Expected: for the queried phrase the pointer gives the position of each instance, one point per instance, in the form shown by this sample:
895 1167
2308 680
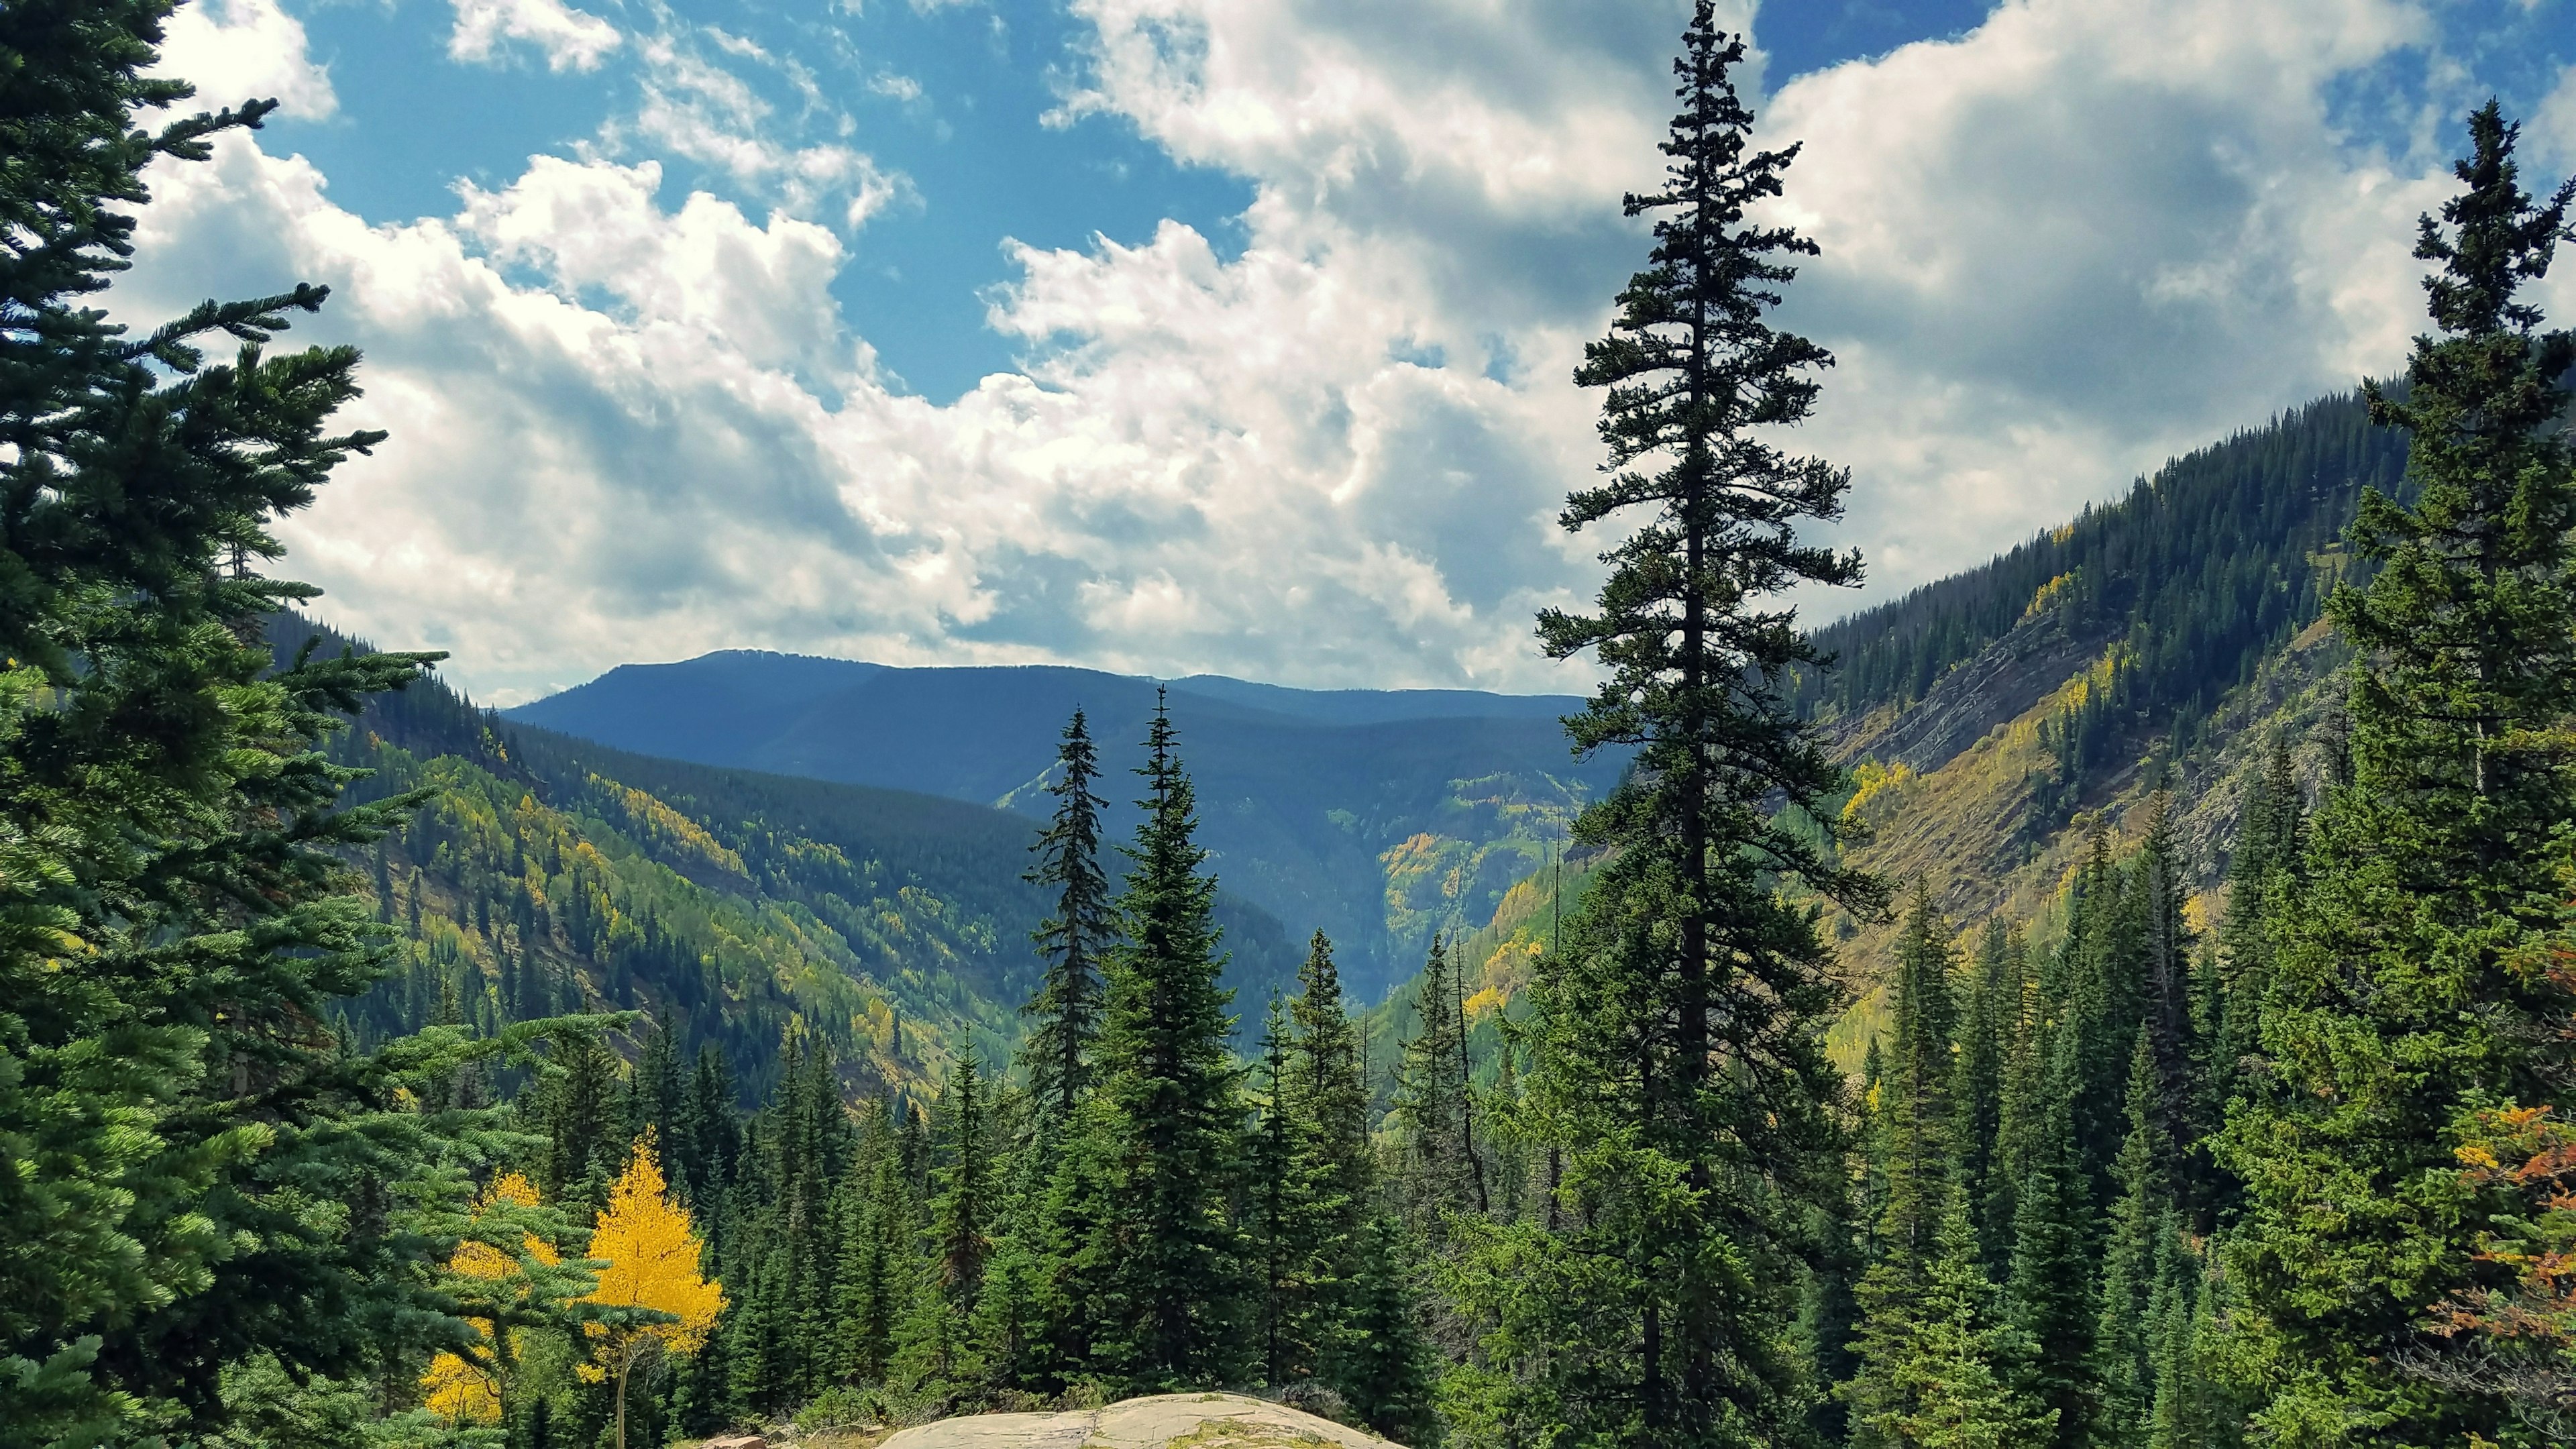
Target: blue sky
1234 334
954 97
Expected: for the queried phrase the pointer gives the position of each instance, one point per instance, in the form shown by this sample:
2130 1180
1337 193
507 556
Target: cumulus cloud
569 39
629 425
697 106
2055 254
236 50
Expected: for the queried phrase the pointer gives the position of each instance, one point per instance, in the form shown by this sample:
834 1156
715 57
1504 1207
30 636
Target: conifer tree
2049 1298
2160 884
183 904
2133 1258
1276 1213
1384 1371
1915 1149
1677 1054
578 1096
1949 1382
1989 1034
960 1212
1441 1175
1168 1252
2399 1005
1076 938
1331 1099
877 1275
936 1351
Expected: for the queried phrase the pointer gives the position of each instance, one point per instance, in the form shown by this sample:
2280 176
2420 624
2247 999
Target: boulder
1163 1421
736 1441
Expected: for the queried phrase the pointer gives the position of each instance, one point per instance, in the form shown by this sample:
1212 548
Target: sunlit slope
1993 718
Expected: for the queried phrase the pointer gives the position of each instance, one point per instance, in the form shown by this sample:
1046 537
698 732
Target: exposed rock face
1164 1421
1998 685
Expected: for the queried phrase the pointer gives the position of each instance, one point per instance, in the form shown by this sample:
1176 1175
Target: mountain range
792 840
1377 816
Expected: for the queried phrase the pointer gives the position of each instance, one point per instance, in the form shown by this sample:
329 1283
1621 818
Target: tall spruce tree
1676 1051
2400 1005
1064 1014
1989 1032
1915 1146
1172 1270
1441 1176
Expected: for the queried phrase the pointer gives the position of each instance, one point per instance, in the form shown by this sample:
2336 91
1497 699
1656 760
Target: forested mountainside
2196 574
2109 1160
1990 719
547 874
1378 816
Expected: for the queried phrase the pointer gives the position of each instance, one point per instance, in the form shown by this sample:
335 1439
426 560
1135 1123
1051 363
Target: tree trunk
625 1362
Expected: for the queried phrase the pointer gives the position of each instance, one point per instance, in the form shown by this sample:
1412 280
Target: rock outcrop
1164 1421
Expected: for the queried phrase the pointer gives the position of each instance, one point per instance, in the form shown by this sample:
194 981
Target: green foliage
1075 939
217 1215
1171 1110
2195 576
1677 1073
2397 1007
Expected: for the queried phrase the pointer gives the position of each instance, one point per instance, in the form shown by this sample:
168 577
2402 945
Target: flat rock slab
1164 1421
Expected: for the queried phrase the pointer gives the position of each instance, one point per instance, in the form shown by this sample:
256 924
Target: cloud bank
629 424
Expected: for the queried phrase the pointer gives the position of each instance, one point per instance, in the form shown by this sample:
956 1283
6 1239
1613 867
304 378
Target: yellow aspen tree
466 1388
648 1255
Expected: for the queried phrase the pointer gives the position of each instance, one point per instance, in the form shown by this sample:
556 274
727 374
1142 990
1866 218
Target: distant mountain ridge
1378 816
547 873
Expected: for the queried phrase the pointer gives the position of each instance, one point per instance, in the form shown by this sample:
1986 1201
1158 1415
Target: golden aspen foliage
461 1392
466 1388
648 1255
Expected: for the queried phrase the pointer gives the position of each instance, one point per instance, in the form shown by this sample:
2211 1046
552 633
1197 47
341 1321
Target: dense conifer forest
372 1072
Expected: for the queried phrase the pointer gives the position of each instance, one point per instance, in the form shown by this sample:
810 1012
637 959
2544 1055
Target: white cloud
2553 125
694 106
237 50
2055 254
569 39
629 426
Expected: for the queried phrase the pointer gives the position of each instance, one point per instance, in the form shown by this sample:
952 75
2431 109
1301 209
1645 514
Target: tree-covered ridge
2193 577
1378 816
540 874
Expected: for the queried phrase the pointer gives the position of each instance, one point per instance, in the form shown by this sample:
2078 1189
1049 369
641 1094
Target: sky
1169 336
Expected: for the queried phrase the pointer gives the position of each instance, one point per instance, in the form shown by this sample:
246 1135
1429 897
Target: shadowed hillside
1378 816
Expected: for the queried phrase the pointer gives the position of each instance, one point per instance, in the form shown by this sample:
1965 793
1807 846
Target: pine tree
1385 1369
878 1271
1173 1290
1989 1035
1914 1147
960 1212
1333 1158
1675 1054
2049 1298
184 899
1076 938
2133 1256
1441 1176
2398 1006
1276 1214
937 1354
1949 1380
578 1105
2020 1118
2160 884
